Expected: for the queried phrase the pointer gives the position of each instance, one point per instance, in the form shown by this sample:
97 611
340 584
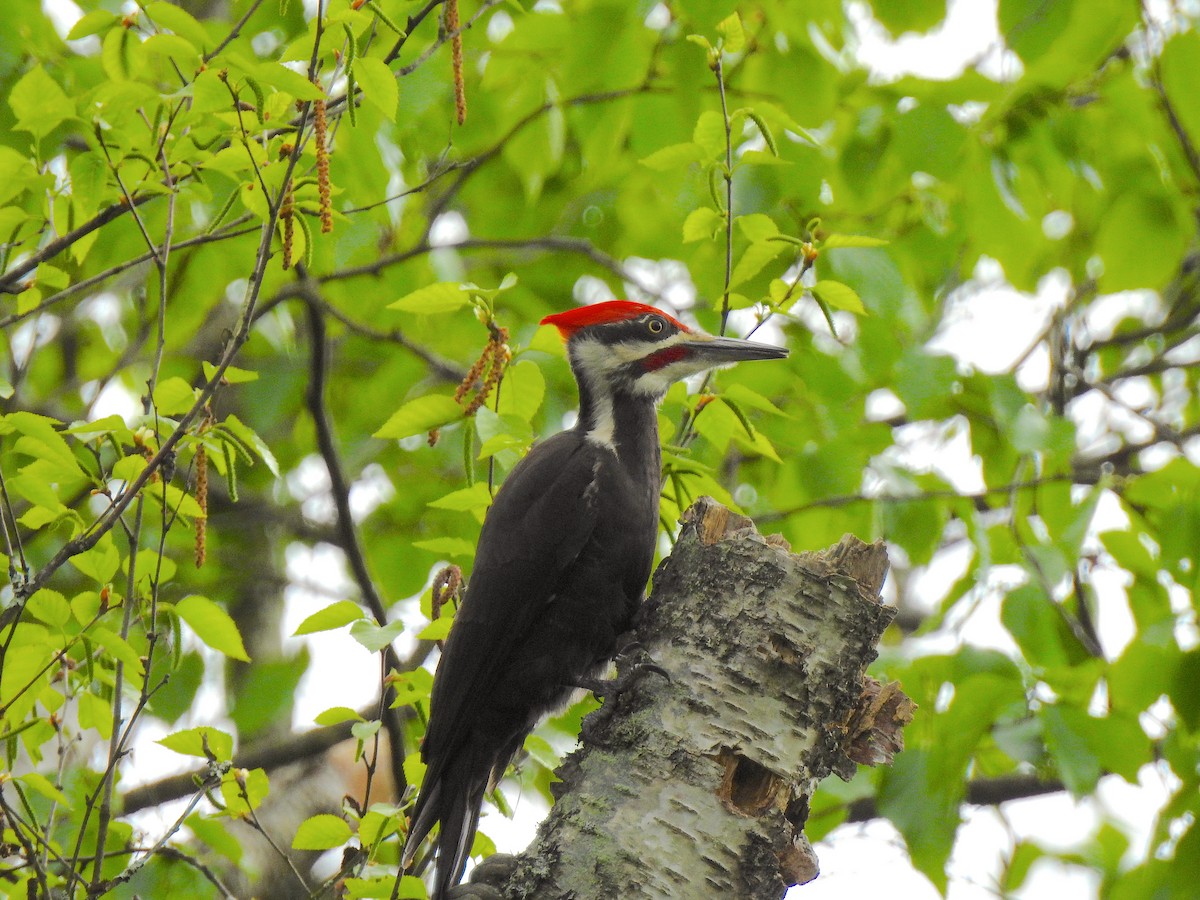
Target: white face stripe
595 363
598 363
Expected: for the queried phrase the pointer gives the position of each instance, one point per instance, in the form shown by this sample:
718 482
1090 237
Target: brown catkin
289 225
456 60
473 374
202 500
498 355
320 125
447 586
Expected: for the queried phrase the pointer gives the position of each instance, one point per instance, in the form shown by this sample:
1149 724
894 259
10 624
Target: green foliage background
142 174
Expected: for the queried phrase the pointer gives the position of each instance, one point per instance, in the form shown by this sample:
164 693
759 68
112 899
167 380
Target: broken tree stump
699 786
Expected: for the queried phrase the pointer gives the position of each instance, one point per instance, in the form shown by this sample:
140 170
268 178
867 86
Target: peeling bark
699 786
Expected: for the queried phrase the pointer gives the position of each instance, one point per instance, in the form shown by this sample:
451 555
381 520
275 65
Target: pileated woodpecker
563 559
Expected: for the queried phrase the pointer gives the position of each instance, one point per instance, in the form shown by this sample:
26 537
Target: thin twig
10 282
234 32
719 70
231 230
949 494
441 368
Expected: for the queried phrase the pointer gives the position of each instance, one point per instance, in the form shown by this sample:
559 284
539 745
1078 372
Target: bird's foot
603 688
486 879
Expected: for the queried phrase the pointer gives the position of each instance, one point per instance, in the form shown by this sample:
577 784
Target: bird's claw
603 688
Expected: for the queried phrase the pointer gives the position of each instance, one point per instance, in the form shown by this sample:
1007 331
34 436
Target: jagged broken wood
699 786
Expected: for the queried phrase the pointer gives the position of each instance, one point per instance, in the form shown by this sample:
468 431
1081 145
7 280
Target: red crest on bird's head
572 320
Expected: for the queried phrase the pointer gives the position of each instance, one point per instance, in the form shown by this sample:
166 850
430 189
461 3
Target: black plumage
562 562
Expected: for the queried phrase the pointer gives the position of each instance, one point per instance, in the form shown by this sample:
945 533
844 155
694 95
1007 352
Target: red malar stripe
664 357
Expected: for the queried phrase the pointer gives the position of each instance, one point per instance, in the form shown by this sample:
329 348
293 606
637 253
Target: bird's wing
541 519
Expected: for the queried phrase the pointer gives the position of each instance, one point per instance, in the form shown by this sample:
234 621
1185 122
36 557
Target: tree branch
350 544
986 792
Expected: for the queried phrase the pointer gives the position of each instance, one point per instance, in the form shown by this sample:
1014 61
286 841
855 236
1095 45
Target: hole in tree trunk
747 787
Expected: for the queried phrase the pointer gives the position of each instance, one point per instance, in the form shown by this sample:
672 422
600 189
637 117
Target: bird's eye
655 326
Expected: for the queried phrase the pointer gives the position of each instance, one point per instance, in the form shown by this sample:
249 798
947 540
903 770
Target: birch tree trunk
699 786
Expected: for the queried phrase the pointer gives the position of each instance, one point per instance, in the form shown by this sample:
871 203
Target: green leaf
100 562
42 441
744 396
372 636
433 299
44 786
1038 626
1142 239
39 103
447 546
287 80
1180 62
180 21
437 630
730 29
50 607
118 647
380 822
335 615
192 741
922 791
250 438
232 374
410 887
129 467
839 296
365 731
174 396
177 500
757 227
24 673
701 224
335 715
213 833
754 258
172 46
522 390
321 832
378 84
908 15
1182 689
122 54
1024 855
1066 729
709 134
674 157
91 23
840 241
761 158
413 687
244 791
212 625
541 751
419 416
95 713
178 696
113 425
471 499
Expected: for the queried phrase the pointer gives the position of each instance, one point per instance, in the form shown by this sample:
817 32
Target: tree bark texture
698 786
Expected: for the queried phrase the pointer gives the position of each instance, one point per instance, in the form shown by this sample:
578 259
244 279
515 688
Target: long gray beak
717 351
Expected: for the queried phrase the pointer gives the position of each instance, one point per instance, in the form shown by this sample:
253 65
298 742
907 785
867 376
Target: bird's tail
453 796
